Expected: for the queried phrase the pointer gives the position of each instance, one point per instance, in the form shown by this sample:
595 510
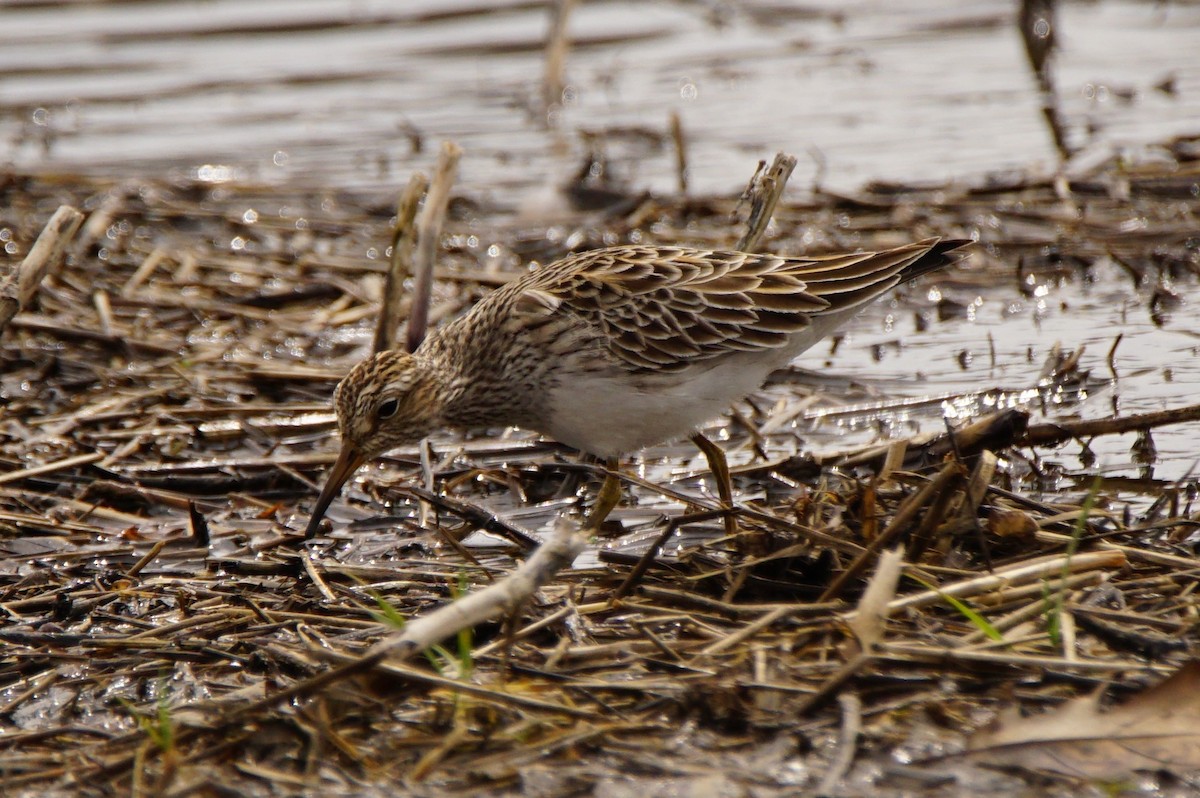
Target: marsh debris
166 417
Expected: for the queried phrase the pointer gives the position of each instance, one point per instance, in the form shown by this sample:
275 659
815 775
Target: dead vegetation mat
162 630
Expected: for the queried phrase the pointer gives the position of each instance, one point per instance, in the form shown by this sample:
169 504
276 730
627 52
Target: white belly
609 415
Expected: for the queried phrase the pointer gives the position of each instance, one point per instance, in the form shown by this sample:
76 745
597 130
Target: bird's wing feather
663 308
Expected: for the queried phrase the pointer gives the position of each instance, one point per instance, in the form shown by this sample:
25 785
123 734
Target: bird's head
390 399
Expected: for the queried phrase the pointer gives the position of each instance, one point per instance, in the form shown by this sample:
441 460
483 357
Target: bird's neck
476 386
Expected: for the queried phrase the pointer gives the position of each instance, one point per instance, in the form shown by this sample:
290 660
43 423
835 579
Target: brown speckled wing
662 308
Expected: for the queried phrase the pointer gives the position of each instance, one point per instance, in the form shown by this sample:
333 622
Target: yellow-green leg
608 497
719 466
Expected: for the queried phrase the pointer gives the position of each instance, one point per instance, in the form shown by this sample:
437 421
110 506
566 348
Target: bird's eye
387 408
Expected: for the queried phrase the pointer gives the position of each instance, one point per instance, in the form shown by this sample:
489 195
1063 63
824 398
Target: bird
612 350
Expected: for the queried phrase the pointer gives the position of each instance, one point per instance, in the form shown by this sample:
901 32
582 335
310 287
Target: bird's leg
570 483
608 497
719 467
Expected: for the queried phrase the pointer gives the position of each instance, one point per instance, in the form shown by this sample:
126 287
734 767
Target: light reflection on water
918 92
1156 368
923 92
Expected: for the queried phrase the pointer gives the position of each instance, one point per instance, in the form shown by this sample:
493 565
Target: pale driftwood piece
558 552
764 192
429 232
18 285
401 265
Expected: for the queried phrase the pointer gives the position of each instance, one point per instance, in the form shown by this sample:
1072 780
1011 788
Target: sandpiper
612 350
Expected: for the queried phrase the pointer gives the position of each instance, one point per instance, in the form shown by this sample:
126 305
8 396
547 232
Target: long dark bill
348 461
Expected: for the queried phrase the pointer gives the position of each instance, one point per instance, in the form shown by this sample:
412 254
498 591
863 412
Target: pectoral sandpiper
613 350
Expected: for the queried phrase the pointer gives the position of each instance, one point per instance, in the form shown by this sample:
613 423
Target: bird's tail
944 252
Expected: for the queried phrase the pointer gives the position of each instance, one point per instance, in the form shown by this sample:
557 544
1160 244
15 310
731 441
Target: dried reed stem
429 232
18 285
764 192
681 161
557 44
401 265
904 516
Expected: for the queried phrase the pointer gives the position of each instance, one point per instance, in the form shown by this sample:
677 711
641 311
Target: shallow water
342 93
355 95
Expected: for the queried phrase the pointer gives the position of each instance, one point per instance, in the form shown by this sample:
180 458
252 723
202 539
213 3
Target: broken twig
18 285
